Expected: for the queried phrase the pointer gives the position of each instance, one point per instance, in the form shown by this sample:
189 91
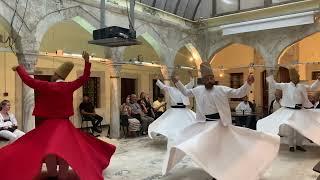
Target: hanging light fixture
251 68
221 71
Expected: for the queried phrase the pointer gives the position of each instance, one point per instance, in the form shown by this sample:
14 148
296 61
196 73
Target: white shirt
156 104
315 105
275 106
175 95
242 106
209 104
217 97
294 94
13 121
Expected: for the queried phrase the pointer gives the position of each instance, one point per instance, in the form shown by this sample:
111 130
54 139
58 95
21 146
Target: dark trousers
95 119
158 114
252 122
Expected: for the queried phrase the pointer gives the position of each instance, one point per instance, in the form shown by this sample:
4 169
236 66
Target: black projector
114 36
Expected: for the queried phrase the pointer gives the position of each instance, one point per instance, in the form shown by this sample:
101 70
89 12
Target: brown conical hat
205 69
293 73
64 69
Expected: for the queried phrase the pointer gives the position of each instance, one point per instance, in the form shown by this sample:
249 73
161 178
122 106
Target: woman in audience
146 100
8 123
131 124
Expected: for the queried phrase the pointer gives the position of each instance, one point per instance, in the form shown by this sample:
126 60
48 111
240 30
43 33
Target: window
315 75
128 87
92 89
236 80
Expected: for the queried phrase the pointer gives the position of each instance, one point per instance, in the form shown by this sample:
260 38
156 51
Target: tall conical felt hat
64 69
205 69
293 72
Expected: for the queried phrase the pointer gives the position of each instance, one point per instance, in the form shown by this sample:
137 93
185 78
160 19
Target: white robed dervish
176 118
304 121
224 151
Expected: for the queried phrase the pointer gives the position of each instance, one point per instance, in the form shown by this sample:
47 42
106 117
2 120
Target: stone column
270 70
28 60
166 73
116 56
115 101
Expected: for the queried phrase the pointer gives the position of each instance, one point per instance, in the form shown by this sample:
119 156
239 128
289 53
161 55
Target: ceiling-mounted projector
114 36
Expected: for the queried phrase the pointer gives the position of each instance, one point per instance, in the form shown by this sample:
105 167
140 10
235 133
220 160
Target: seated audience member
146 100
131 124
244 106
137 112
159 106
275 104
247 107
8 123
88 112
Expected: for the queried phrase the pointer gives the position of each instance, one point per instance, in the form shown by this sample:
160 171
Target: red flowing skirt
87 155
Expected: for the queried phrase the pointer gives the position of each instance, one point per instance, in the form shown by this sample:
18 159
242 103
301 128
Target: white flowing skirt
171 122
226 153
305 121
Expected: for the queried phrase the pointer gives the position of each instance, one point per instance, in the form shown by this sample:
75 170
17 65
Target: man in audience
136 112
159 106
275 104
316 103
244 106
87 111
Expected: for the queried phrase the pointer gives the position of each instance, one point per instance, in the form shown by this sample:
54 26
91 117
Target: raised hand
250 79
14 68
85 56
174 77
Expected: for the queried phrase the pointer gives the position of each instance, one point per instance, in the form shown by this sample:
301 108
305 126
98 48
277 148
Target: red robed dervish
88 156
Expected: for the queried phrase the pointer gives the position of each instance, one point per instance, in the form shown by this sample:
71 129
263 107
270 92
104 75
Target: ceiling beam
165 5
214 8
184 14
196 9
154 3
177 6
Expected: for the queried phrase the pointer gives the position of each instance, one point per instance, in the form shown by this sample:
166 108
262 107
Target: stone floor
141 159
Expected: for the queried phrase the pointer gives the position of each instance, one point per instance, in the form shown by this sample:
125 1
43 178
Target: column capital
116 71
117 54
167 72
28 60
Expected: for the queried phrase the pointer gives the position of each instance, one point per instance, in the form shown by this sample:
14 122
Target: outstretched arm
190 84
272 82
27 79
161 85
315 85
180 86
86 73
242 91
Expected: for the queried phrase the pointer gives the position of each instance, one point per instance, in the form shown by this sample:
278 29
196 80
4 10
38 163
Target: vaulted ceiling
190 9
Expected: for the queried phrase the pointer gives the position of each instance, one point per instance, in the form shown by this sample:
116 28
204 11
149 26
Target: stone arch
291 36
193 50
303 55
5 25
154 44
153 37
77 14
232 64
292 43
6 14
